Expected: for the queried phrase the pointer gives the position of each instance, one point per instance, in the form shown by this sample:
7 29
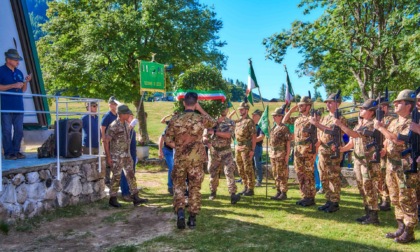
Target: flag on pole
209 95
252 83
264 123
289 90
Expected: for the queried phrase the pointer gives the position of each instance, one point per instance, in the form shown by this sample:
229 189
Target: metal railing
58 112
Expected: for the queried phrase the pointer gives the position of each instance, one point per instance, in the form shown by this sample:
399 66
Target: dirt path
97 230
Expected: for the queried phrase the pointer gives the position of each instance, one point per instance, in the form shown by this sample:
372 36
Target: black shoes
114 202
325 206
180 223
372 218
244 191
10 157
191 221
385 206
306 202
137 200
275 197
333 207
249 192
20 156
171 191
234 198
212 196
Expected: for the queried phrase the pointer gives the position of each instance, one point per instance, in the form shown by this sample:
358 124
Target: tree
37 15
360 47
205 78
282 94
92 48
317 95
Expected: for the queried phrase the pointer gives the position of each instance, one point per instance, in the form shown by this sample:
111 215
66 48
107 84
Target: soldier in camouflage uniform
383 189
367 173
279 152
329 168
185 134
401 186
304 158
117 149
220 154
244 152
415 127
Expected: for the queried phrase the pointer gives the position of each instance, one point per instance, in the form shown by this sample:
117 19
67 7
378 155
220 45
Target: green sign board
152 76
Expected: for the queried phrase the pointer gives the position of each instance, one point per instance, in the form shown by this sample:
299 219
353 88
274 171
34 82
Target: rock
14 211
74 187
50 194
62 199
21 193
57 185
44 174
18 179
32 177
71 170
87 188
9 195
74 200
29 208
36 191
90 172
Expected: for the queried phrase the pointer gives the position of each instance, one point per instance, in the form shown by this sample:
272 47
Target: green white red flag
252 83
202 95
289 90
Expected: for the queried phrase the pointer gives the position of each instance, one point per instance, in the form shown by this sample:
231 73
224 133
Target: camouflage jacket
185 131
360 142
279 136
323 137
120 138
393 151
302 147
227 125
244 130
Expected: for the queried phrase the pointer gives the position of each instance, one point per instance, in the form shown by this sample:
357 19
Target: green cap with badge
123 109
406 95
369 104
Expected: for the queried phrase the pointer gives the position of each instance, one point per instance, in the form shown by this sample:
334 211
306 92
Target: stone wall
30 191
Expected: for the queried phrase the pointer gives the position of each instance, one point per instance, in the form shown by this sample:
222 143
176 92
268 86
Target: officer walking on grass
244 152
117 149
185 134
220 154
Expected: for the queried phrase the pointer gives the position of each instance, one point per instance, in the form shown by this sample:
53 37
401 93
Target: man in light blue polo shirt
12 80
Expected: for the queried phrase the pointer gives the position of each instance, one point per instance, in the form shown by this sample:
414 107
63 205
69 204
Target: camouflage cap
13 54
279 111
383 100
243 105
332 96
305 100
369 104
112 100
406 95
123 109
257 112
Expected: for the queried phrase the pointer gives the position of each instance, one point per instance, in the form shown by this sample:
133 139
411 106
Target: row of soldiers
185 133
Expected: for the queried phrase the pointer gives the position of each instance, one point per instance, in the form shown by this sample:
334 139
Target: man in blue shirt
258 147
108 118
90 138
11 80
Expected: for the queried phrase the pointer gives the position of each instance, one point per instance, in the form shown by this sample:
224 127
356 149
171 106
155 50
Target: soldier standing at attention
367 173
244 152
329 168
304 155
279 152
256 116
401 186
117 150
383 190
220 153
185 134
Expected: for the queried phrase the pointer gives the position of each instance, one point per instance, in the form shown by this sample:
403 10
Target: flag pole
259 92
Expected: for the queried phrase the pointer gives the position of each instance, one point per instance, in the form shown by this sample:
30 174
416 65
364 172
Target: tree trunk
141 115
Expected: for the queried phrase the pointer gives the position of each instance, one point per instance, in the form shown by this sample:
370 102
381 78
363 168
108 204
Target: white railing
58 112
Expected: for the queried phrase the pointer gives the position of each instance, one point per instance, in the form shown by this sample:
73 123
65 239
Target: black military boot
275 197
372 219
180 223
234 198
334 207
249 192
325 206
407 236
212 196
364 217
137 200
399 231
385 206
244 191
308 202
283 196
114 202
191 221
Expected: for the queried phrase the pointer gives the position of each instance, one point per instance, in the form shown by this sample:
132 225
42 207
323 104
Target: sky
245 24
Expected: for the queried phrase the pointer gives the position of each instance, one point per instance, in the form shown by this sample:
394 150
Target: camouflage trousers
304 167
245 168
119 164
216 161
193 170
329 173
281 170
402 192
367 177
418 186
382 188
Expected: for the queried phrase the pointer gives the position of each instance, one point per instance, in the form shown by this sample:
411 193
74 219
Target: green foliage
203 77
282 94
360 47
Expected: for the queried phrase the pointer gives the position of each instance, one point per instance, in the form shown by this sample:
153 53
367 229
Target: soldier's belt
221 148
245 143
395 162
325 146
301 142
278 148
358 157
